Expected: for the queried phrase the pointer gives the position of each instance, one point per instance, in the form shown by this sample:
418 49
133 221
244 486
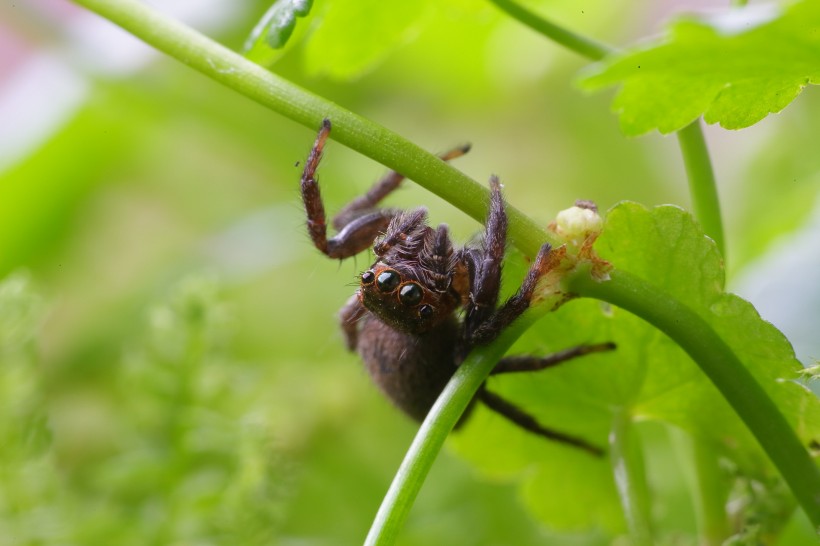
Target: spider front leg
356 235
360 222
483 322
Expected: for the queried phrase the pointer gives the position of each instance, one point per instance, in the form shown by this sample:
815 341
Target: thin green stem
360 134
630 477
709 485
711 494
702 186
573 41
724 369
430 438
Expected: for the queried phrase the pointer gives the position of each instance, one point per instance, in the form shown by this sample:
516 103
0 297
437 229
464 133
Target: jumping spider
402 320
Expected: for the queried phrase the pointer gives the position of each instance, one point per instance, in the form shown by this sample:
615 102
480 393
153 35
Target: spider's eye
425 311
410 294
388 280
368 277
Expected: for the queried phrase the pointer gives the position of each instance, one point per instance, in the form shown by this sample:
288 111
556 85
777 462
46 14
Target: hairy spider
403 318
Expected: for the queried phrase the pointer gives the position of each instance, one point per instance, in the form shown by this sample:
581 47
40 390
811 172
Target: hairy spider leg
530 363
405 228
484 264
488 330
358 223
356 235
528 422
438 259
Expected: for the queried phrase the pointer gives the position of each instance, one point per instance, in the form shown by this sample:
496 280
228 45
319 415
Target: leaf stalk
583 45
630 477
702 185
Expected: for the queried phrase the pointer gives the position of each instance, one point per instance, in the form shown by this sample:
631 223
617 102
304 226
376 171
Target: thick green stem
630 477
360 134
721 365
578 43
702 187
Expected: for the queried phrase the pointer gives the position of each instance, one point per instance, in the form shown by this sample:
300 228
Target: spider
403 320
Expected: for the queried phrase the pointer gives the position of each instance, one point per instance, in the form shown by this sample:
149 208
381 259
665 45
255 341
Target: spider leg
359 223
349 317
358 234
528 422
311 196
528 363
488 329
484 265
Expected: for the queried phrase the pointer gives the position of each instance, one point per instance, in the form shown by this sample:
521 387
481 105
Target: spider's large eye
388 280
368 277
410 294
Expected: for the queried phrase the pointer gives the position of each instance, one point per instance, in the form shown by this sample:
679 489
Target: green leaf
355 35
734 69
273 31
648 377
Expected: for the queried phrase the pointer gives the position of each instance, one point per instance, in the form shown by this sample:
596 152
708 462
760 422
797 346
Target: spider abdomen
411 369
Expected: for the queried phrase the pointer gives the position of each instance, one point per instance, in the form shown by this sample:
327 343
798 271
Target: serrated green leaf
648 376
273 31
354 35
734 69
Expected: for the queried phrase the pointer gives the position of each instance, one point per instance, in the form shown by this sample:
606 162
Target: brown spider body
403 320
411 369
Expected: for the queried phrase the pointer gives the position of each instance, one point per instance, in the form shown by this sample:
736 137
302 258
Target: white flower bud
577 223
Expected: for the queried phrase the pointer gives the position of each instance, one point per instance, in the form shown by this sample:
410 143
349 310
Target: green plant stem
709 485
711 494
578 43
724 369
366 137
630 477
430 438
702 187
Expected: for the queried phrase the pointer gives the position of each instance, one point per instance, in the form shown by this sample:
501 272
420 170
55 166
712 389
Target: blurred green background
172 371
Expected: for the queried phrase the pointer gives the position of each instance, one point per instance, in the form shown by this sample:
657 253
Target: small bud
577 223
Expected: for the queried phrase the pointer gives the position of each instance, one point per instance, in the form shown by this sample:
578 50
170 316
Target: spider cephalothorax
418 280
403 318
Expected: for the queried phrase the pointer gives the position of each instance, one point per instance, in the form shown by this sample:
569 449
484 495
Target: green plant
653 276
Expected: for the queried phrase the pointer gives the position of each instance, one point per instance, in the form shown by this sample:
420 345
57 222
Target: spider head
403 300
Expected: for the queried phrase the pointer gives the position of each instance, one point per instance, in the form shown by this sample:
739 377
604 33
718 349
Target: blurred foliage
145 401
274 30
734 69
